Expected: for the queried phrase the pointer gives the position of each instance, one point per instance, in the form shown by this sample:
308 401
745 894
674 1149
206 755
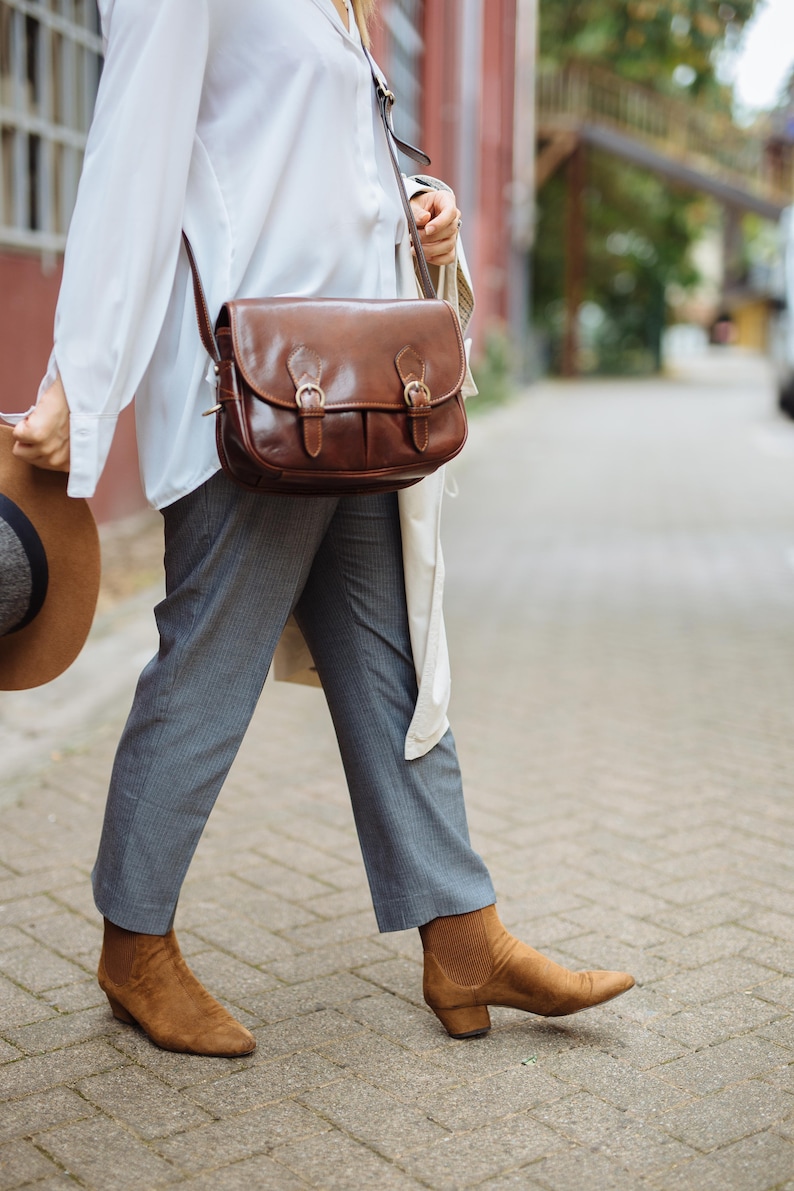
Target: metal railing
703 139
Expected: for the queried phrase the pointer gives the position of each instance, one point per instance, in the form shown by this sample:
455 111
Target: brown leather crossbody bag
324 396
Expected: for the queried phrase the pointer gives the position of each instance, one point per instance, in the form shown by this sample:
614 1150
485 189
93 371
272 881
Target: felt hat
49 572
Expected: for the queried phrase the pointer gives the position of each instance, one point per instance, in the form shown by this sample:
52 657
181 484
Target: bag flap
358 349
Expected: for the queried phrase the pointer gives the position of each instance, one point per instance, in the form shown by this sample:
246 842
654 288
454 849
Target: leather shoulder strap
385 99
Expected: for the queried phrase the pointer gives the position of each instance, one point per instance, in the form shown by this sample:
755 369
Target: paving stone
22 1164
714 980
84 994
286 882
617 925
178 1071
507 1093
467 1158
338 930
336 1162
246 942
707 946
70 935
264 1084
301 1033
390 1067
260 1172
142 1102
102 1153
223 1142
61 1067
568 1169
380 1120
641 1046
594 951
37 968
12 937
411 1026
640 1093
513 1180
728 1062
237 982
64 1030
358 955
282 1003
617 1135
18 1007
26 1117
760 1163
727 1116
718 1020
716 911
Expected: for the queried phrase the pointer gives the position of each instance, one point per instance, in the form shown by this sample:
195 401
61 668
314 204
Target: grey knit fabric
16 581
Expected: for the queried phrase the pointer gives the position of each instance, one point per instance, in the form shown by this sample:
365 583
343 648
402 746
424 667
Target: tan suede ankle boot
472 962
148 984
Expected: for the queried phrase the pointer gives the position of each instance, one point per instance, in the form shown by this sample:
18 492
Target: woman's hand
43 438
438 220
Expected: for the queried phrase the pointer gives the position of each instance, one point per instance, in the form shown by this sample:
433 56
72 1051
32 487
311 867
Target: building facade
451 63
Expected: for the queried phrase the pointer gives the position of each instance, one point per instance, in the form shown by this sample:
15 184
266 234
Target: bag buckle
309 387
413 388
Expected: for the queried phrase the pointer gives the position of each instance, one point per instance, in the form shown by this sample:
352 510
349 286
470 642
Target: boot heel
119 1012
465 1023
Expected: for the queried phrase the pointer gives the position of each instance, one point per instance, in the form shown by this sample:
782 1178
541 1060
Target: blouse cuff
90 439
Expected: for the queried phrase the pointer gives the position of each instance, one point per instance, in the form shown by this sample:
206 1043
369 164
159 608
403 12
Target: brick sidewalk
621 616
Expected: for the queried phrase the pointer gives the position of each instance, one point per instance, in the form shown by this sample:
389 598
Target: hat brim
50 643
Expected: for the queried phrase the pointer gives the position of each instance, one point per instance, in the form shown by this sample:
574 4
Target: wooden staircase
679 139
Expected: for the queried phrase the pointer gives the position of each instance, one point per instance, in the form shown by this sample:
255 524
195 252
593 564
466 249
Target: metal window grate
50 62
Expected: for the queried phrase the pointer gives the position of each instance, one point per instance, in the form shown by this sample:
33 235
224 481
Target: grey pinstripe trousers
237 564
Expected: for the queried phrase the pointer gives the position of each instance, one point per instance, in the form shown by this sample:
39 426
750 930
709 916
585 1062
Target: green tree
639 229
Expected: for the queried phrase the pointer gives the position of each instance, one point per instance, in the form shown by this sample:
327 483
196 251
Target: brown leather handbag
318 396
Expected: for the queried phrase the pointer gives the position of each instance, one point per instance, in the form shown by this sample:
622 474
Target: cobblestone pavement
621 615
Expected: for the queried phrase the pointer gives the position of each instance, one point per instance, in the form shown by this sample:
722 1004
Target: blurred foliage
493 371
646 40
639 229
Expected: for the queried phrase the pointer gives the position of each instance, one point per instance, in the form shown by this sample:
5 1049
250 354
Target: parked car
782 337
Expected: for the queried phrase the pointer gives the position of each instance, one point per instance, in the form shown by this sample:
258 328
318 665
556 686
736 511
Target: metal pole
574 259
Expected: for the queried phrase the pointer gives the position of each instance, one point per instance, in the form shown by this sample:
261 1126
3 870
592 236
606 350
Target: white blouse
250 123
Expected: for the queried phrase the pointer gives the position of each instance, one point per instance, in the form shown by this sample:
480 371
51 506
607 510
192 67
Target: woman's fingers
43 437
438 221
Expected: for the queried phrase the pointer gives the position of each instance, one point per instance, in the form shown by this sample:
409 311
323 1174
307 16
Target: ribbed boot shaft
459 944
119 952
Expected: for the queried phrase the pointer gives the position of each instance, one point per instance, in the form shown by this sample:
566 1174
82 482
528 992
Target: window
50 60
403 21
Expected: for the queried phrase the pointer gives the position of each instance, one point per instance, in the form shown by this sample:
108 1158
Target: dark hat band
32 545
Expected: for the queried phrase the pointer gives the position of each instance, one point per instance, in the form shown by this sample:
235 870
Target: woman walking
253 126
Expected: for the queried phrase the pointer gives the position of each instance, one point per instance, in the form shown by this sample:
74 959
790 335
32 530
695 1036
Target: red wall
28 293
487 228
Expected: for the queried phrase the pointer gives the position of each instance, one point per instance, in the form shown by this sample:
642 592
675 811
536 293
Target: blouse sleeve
124 238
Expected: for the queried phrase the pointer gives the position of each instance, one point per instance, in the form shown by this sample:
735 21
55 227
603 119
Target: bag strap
385 100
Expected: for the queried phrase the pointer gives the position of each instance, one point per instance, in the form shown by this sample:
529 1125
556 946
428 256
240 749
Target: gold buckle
411 387
308 387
